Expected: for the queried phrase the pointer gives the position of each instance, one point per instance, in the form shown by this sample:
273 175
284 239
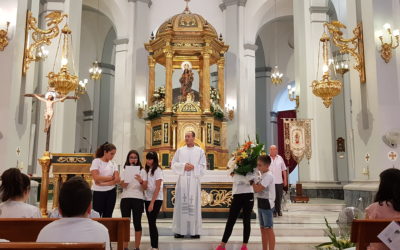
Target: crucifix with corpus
50 98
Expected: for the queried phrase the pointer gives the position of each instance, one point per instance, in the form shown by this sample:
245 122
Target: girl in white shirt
133 182
105 175
153 195
14 189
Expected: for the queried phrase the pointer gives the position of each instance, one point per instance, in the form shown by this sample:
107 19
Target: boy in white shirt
75 226
265 193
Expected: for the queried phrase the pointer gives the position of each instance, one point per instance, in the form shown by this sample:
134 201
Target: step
235 242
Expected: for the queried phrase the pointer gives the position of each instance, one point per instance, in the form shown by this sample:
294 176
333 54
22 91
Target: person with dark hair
14 192
387 200
189 163
105 176
242 201
133 182
153 195
75 226
265 193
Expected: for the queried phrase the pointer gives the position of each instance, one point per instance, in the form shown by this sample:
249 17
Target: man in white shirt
279 170
189 163
75 226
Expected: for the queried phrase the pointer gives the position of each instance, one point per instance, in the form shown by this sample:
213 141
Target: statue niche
186 81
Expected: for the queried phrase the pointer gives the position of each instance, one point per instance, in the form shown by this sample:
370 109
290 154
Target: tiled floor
301 227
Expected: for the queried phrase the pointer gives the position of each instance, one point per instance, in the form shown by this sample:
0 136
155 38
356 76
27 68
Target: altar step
235 243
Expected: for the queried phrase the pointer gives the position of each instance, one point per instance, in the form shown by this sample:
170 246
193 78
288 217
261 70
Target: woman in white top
153 195
15 188
105 175
133 182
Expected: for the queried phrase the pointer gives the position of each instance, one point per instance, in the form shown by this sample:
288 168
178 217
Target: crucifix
50 98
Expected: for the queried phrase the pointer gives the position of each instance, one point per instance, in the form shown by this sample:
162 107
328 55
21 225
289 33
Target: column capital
121 41
226 3
249 46
148 2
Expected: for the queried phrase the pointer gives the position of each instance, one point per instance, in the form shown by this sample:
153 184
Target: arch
113 10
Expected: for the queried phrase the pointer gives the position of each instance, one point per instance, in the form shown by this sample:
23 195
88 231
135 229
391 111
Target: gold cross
393 155
187 4
18 151
367 157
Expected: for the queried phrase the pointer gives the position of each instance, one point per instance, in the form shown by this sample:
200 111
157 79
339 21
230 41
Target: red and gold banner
297 135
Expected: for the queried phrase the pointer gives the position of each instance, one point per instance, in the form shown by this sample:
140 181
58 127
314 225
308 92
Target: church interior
317 78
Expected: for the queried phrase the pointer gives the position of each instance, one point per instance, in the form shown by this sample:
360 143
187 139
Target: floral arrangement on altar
156 109
159 94
244 159
215 108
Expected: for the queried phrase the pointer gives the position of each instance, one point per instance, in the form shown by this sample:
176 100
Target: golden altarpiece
189 42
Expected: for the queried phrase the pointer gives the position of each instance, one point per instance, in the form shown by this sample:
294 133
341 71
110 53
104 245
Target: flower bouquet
156 109
244 159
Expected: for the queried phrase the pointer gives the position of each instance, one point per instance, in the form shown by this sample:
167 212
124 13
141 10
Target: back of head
389 188
266 159
75 197
14 184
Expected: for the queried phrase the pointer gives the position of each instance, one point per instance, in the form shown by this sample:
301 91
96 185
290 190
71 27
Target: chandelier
326 88
64 82
341 64
276 76
81 89
95 71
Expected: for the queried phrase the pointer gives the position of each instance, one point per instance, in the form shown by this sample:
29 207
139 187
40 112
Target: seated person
387 201
14 189
75 226
56 214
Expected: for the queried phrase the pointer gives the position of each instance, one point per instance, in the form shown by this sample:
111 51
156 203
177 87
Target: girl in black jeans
153 195
132 198
105 175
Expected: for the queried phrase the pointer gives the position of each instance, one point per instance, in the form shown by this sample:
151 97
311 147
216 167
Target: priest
189 163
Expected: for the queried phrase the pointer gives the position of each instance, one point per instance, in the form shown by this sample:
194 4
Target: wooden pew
16 229
37 245
364 232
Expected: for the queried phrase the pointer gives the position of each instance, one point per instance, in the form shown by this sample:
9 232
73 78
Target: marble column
168 81
246 110
120 118
221 82
152 79
206 83
309 17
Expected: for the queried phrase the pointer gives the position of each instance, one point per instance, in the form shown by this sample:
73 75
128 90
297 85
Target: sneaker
178 236
280 213
244 248
195 236
219 247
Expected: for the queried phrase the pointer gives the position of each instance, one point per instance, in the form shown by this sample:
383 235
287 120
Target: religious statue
186 80
49 99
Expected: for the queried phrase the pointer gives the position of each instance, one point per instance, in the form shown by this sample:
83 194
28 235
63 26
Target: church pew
41 245
27 229
364 232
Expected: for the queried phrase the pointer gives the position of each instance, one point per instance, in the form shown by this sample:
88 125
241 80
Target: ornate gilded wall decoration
297 139
217 136
156 135
166 134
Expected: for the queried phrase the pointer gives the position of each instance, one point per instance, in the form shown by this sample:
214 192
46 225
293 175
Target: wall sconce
35 52
4 35
353 46
141 109
386 48
230 111
293 96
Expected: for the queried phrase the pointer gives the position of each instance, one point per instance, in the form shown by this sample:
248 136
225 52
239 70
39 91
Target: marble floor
301 227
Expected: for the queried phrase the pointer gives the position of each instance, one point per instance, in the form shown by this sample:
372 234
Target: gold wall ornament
4 37
64 82
326 88
387 47
40 37
353 46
